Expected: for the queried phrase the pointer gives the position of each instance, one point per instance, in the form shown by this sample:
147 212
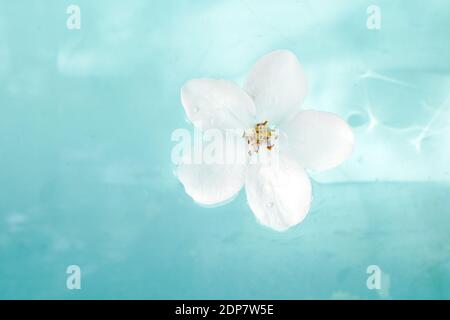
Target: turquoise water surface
86 178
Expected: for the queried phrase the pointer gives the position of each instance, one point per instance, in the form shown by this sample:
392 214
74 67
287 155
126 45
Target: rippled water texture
86 178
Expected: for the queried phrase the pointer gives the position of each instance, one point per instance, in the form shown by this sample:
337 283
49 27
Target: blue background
86 118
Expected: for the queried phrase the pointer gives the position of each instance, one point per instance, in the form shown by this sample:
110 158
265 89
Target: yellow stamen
259 135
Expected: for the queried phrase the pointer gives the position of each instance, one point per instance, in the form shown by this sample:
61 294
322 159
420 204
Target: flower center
260 136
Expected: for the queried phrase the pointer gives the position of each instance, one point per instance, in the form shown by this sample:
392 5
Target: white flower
278 193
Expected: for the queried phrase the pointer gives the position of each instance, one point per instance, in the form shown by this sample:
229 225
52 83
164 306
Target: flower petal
221 104
279 195
211 184
278 86
318 140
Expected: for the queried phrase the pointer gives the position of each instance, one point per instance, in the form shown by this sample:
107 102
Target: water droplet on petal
196 109
269 204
